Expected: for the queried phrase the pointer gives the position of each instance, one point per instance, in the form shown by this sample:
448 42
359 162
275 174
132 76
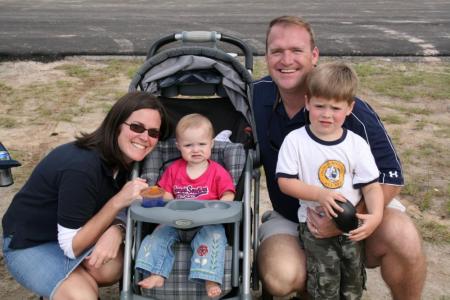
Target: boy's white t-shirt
344 165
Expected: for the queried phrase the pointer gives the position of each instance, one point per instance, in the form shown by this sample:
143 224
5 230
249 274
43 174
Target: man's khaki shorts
273 223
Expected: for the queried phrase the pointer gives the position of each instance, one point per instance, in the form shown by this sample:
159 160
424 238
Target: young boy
322 163
194 176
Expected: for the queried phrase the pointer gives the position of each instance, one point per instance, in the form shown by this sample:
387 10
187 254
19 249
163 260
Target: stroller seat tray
189 213
194 205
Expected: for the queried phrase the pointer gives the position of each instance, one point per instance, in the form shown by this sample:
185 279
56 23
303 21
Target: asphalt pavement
51 29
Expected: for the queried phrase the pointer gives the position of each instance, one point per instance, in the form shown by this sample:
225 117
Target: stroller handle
204 37
198 36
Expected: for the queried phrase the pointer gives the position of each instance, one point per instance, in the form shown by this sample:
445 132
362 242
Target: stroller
190 78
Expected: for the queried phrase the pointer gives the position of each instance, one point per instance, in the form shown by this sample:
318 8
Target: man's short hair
291 20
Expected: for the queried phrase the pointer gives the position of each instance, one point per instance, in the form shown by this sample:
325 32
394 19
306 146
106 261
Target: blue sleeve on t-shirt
367 124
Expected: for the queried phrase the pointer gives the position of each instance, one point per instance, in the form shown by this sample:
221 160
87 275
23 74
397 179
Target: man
278 102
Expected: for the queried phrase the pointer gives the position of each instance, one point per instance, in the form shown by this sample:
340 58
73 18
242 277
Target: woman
62 237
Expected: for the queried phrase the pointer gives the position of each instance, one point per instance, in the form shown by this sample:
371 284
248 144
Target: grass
406 81
80 72
434 232
448 197
410 97
411 189
410 111
442 131
420 124
5 90
7 122
393 119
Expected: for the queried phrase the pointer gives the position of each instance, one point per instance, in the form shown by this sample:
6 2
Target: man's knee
396 235
281 265
396 246
280 281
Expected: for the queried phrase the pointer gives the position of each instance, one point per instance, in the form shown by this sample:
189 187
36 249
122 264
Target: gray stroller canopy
173 68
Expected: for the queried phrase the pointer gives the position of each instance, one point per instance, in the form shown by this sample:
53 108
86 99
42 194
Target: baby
194 176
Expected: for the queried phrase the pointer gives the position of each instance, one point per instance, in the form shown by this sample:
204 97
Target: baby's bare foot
213 289
152 281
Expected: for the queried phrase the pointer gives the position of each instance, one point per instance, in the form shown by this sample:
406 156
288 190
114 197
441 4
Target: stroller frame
211 212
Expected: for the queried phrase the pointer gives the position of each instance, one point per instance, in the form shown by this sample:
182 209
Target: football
346 220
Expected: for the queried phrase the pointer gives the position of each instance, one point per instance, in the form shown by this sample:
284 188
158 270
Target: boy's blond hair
194 121
335 80
291 20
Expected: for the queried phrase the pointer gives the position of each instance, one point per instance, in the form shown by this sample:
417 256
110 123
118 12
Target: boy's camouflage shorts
335 266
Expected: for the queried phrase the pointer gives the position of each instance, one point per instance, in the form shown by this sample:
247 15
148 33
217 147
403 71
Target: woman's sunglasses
152 132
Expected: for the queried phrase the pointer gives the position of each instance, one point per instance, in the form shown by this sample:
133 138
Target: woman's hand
97 229
319 225
130 192
106 248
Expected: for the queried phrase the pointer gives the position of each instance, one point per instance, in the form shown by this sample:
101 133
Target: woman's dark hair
105 138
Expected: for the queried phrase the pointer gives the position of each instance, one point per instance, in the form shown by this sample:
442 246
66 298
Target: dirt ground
34 137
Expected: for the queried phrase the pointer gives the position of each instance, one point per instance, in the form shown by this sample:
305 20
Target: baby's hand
370 222
327 200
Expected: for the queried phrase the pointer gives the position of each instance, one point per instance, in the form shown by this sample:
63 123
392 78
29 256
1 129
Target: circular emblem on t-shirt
331 174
